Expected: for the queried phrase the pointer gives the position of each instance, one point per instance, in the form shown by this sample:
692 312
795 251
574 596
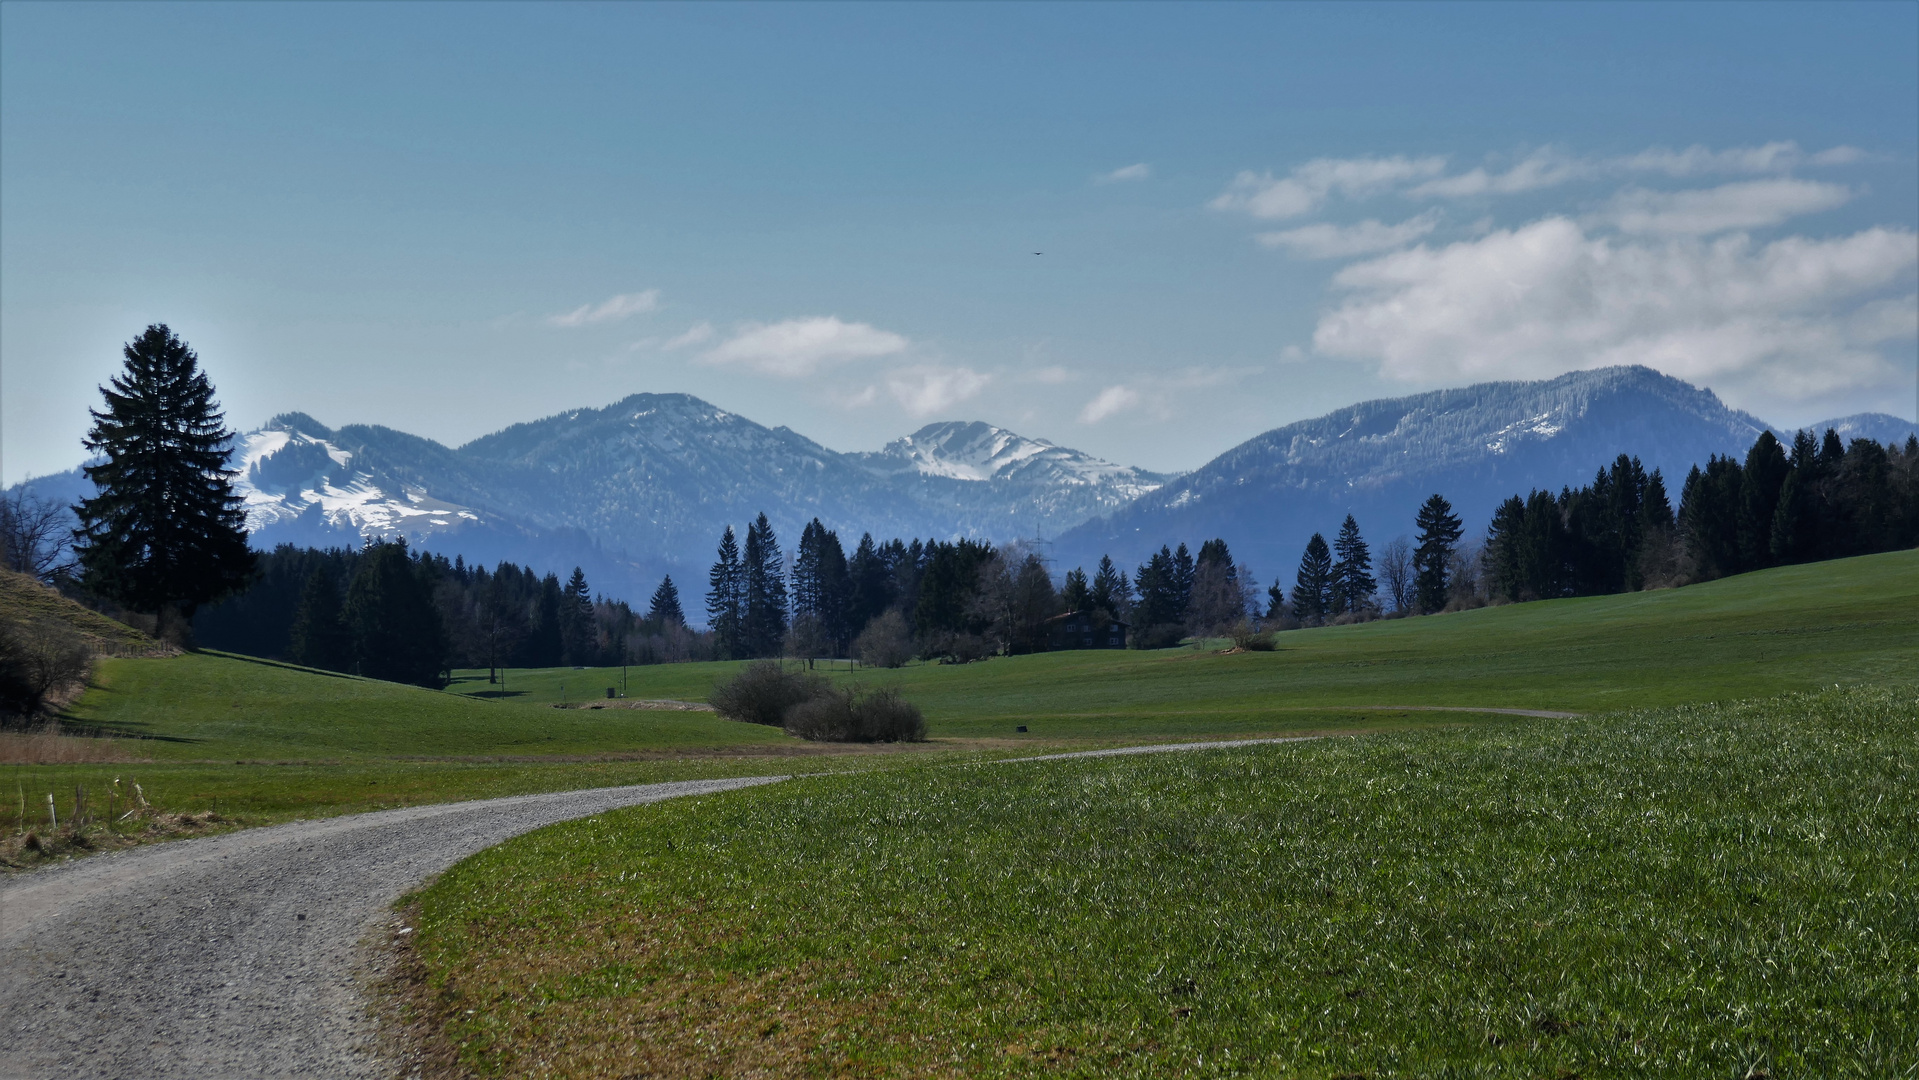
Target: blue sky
449 218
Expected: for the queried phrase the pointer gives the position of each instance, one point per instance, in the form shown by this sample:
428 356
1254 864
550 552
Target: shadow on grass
284 666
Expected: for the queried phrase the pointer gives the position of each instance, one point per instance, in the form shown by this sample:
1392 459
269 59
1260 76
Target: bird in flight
1039 253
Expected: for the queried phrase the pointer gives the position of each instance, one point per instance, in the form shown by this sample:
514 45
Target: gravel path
235 955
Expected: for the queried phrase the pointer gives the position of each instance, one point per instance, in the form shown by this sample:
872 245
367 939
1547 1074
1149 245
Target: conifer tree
319 635
1313 582
1184 573
1275 600
1077 595
1439 533
1353 581
396 628
165 532
546 645
577 636
763 601
1111 592
665 610
725 598
1760 487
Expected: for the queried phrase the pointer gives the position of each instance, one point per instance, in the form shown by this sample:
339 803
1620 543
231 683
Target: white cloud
1793 316
1344 241
922 391
1269 198
612 309
1140 171
697 334
1540 169
798 347
1773 157
1837 155
1109 402
1748 204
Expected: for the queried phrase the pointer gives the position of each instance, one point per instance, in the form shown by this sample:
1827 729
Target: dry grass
48 746
22 851
21 597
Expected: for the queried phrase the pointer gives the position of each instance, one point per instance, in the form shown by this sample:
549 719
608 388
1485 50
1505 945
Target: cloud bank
799 347
1800 314
612 309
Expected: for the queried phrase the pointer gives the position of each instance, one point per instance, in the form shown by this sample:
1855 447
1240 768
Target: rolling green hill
1792 628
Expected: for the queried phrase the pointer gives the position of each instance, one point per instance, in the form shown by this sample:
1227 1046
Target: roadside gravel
235 955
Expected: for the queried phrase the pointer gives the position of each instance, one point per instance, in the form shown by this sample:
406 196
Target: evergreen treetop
665 607
165 530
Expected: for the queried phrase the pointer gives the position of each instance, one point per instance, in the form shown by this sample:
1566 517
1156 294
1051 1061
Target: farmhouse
1084 630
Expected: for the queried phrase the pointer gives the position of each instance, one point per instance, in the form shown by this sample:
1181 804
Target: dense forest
1817 500
390 612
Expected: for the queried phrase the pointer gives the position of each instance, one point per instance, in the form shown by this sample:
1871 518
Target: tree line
387 612
1820 499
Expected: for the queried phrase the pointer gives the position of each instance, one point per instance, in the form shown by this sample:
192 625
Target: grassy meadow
260 741
1853 621
1701 891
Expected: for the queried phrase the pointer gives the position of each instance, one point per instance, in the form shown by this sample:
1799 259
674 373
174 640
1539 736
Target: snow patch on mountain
980 452
284 474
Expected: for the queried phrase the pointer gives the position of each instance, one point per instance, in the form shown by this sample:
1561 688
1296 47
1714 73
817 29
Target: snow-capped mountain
1379 459
285 473
644 486
982 452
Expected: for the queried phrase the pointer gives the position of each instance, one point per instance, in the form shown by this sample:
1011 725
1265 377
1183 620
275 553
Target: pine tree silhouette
165 533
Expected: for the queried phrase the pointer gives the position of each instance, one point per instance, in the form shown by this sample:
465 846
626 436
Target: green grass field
262 741
1701 891
1854 621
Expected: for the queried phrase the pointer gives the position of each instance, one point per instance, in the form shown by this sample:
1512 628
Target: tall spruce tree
763 605
1353 581
319 635
1112 593
1313 582
725 598
1439 533
577 631
1077 595
396 628
165 533
664 610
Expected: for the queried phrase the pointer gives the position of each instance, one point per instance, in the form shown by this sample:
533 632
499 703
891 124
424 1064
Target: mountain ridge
642 486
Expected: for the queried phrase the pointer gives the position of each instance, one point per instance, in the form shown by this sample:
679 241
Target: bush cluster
808 706
857 716
37 658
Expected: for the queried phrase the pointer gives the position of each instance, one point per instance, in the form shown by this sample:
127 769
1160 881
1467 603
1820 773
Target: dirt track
234 955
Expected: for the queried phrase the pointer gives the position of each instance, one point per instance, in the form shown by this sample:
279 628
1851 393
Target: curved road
235 955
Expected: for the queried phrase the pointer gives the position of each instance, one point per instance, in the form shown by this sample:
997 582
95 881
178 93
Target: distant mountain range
644 486
1379 460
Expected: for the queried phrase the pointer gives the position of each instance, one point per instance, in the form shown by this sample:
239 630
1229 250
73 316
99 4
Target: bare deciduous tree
36 535
1396 571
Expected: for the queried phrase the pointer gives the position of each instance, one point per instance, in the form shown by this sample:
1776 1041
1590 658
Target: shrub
1158 636
857 716
886 642
1249 637
762 693
37 658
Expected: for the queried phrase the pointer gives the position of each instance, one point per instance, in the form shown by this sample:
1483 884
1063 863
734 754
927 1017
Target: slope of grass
214 705
1719 891
1793 628
23 598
